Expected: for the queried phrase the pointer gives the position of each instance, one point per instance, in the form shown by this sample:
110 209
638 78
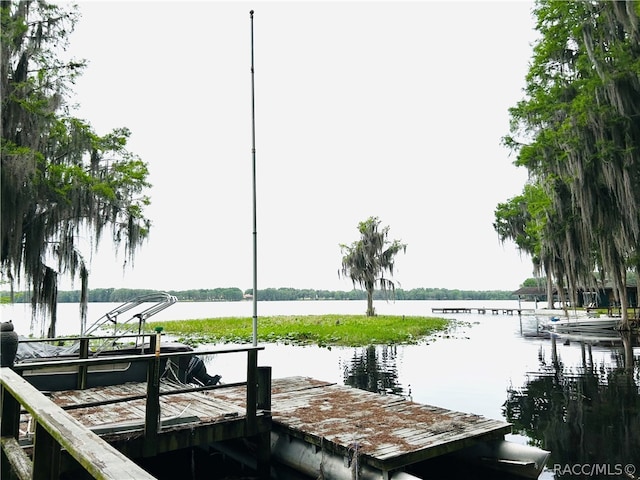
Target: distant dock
483 310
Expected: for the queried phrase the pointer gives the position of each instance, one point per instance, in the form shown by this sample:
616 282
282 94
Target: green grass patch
323 330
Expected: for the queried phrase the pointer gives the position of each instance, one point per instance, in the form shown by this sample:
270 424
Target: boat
58 376
596 338
579 324
125 339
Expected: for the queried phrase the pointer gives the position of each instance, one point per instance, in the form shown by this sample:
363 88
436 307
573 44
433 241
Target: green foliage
324 330
366 260
578 133
60 180
534 282
232 294
522 220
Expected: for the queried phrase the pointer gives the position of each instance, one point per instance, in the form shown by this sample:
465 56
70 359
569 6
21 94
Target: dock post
46 455
252 391
82 369
258 396
9 426
263 455
263 440
264 388
152 410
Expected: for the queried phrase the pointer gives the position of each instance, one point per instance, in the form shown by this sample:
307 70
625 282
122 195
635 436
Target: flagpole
255 229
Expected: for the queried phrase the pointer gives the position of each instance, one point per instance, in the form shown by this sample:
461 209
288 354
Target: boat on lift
583 324
109 337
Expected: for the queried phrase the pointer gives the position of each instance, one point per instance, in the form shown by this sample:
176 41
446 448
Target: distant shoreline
233 294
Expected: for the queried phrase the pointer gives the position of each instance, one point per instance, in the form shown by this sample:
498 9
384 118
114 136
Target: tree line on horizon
233 294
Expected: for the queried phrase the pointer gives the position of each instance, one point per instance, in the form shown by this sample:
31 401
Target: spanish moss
60 180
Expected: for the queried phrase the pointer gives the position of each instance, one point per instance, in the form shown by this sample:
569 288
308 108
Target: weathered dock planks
187 419
93 408
389 431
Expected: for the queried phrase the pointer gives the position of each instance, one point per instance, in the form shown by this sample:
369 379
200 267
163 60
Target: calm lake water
576 396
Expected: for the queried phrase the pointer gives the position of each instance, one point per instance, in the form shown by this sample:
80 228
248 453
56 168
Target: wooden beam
152 409
46 455
264 388
97 457
252 391
15 460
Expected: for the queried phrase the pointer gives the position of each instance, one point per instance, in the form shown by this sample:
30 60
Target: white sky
367 108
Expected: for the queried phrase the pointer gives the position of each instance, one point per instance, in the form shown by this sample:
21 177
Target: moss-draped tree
60 179
365 261
578 133
522 219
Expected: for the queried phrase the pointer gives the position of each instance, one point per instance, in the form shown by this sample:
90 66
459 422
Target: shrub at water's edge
323 330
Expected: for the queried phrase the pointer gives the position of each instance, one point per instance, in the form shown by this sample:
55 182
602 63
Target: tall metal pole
255 222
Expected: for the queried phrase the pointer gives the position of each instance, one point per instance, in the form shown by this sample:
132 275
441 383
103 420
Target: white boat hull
584 324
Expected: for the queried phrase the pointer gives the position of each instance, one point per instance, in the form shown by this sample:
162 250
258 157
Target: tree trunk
549 291
624 300
370 310
561 296
628 352
51 332
637 305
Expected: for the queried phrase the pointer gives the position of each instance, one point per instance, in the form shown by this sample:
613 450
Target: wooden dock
190 419
46 436
390 431
483 310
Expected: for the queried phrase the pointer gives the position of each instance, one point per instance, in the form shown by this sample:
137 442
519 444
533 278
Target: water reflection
588 414
579 397
575 395
374 369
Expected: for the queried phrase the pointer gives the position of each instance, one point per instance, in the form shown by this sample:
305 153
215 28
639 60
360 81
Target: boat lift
133 325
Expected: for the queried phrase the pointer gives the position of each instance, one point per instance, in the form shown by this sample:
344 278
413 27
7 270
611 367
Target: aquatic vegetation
324 330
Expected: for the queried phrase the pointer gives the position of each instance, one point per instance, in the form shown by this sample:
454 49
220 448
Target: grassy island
323 330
